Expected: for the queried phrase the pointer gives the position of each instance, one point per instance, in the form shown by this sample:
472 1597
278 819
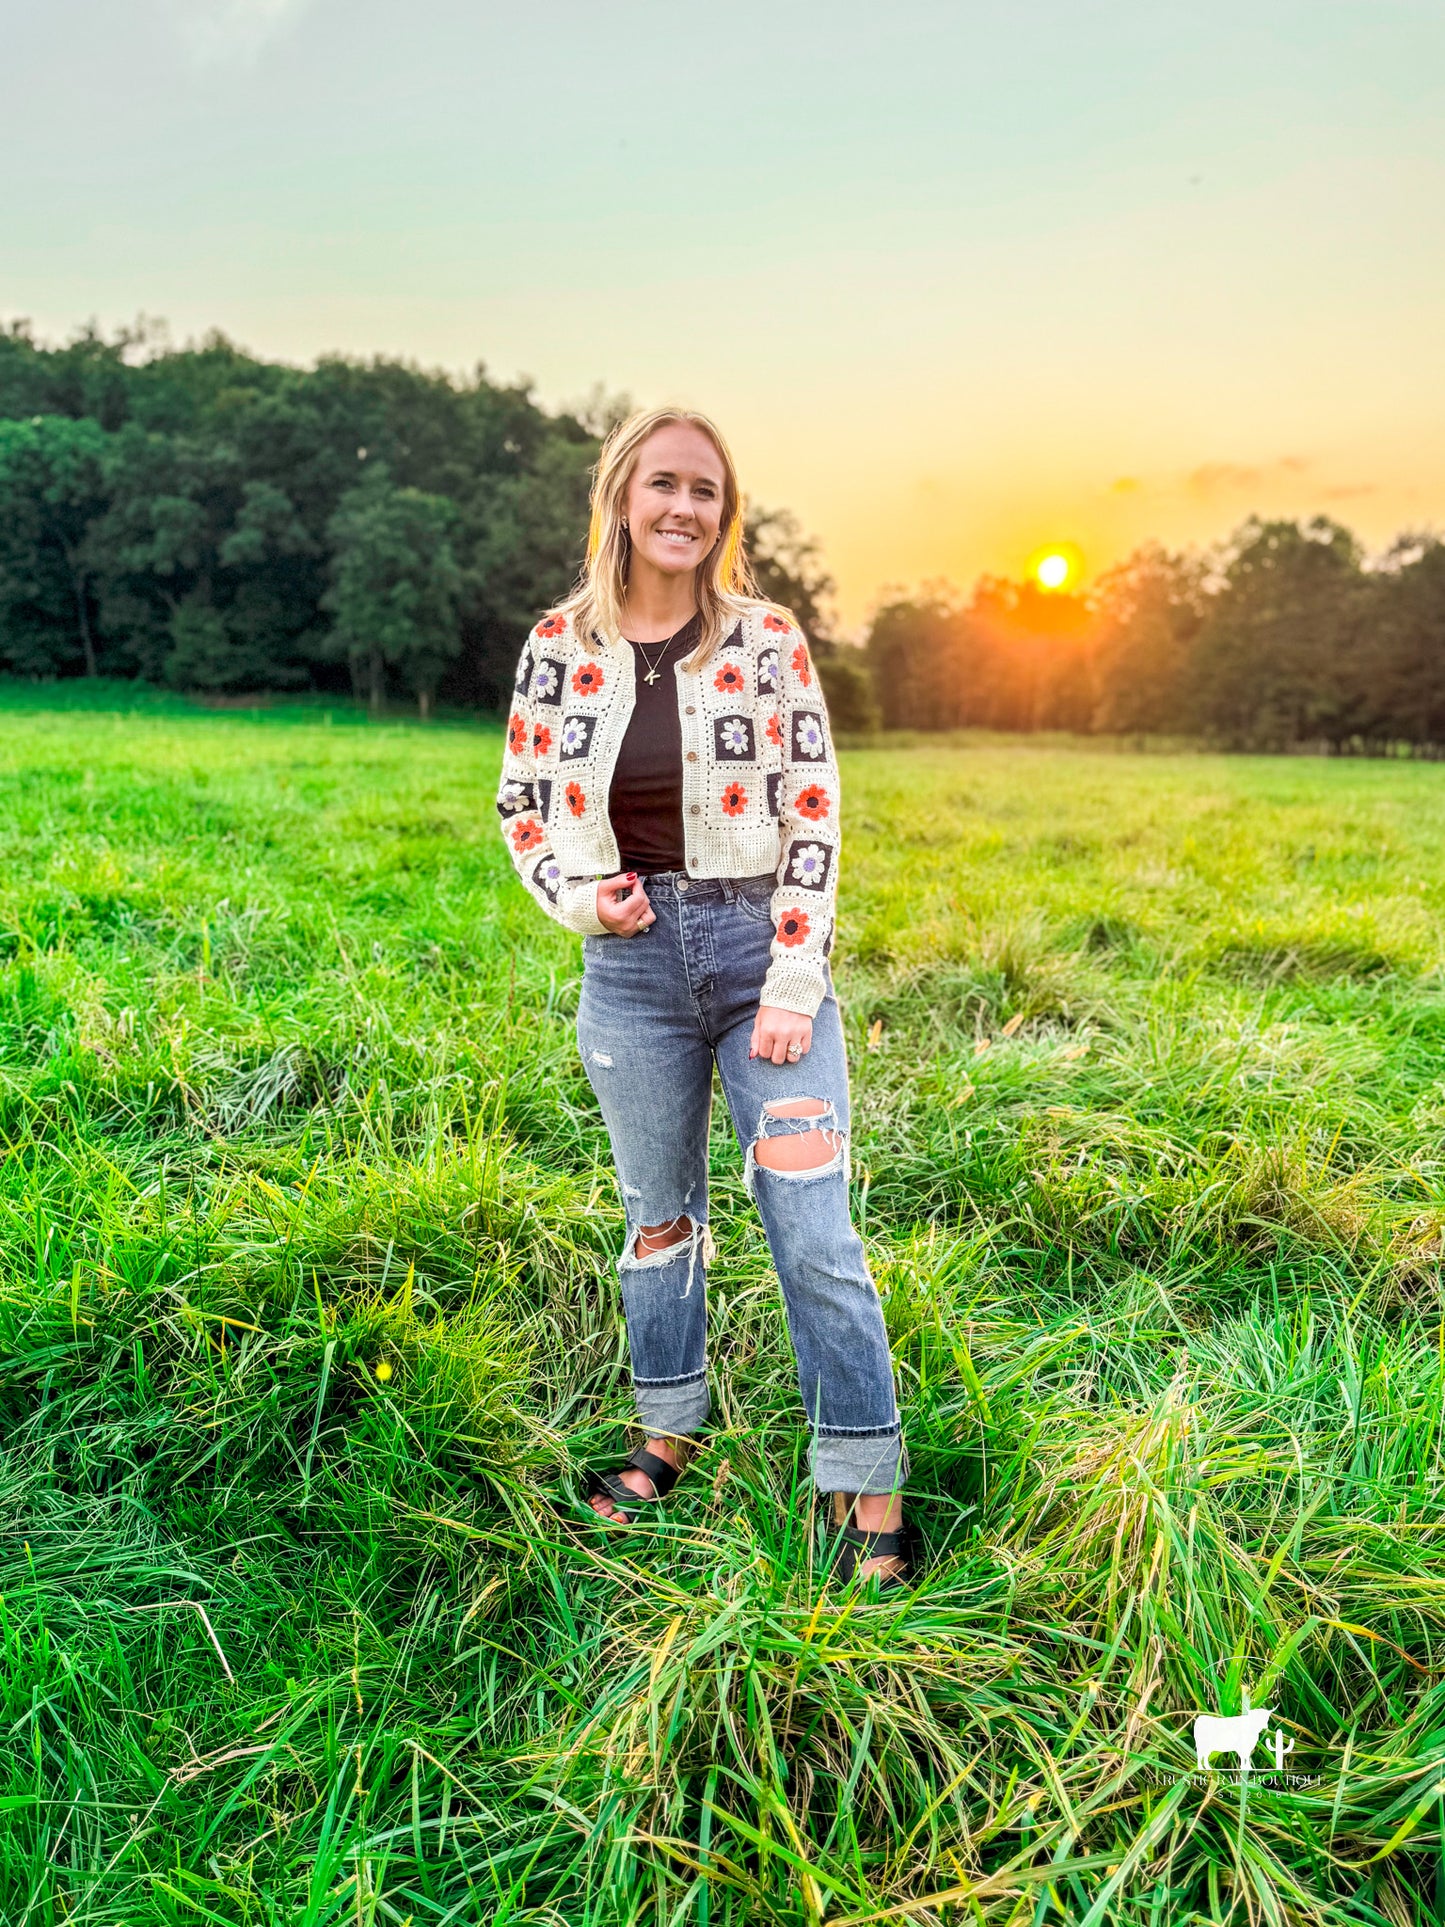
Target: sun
1056 567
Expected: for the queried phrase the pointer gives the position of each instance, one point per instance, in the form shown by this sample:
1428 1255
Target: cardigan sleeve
807 876
524 798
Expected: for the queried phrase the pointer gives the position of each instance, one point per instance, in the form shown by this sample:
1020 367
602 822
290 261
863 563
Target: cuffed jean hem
850 1463
681 1407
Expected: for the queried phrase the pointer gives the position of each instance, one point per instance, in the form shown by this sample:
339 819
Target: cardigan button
692 709
694 809
693 861
692 755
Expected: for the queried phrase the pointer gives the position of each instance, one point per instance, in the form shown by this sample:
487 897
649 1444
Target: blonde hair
724 577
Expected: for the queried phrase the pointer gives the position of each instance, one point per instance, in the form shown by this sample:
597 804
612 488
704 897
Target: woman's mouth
678 537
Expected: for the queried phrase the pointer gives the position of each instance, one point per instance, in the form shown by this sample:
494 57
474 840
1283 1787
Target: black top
645 800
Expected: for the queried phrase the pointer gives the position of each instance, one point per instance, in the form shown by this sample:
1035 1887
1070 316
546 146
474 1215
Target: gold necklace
652 666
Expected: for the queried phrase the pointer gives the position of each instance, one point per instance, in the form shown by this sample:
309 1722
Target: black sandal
851 1547
608 1485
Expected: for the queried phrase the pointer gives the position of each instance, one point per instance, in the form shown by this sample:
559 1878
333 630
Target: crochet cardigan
759 781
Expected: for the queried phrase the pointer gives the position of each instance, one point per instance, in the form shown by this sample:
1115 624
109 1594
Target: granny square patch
808 865
524 672
547 681
577 734
732 739
547 876
775 784
514 797
809 742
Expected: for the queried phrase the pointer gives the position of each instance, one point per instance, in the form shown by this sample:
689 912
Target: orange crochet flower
729 679
814 802
734 799
793 927
801 668
774 730
776 624
527 833
576 798
587 678
517 734
551 626
541 739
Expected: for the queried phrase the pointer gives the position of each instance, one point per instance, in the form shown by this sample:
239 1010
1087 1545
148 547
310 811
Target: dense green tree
156 550
911 650
53 489
524 536
395 586
1403 665
1148 613
1277 658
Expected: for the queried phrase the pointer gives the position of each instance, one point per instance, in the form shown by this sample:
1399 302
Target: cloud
230 32
1230 478
1348 491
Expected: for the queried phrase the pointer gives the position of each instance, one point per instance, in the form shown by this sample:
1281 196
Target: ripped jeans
656 1012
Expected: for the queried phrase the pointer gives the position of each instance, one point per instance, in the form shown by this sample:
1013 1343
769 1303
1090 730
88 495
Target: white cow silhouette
1238 1734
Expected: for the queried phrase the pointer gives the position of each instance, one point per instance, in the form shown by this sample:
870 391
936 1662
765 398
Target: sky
957 280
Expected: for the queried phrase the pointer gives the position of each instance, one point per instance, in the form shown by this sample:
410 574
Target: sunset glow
1015 302
1056 567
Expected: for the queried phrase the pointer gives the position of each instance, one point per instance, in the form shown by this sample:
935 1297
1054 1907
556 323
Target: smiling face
675 499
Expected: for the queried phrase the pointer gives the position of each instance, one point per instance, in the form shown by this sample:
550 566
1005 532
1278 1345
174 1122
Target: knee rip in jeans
797 1138
649 1247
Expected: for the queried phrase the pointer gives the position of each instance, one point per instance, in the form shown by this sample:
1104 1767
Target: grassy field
307 1319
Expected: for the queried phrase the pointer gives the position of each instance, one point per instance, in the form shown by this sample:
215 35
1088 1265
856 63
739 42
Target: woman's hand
776 1032
622 905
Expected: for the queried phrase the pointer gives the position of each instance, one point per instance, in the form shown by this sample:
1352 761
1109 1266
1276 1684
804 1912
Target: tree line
211 520
207 519
1284 636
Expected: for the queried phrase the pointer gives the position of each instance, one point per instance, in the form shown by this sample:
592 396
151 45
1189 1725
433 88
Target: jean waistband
705 889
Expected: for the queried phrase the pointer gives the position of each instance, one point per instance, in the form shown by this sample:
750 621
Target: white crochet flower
768 669
808 736
514 796
574 735
544 683
733 734
549 876
810 864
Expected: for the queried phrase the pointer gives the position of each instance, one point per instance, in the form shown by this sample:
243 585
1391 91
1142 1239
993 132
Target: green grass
1148 1157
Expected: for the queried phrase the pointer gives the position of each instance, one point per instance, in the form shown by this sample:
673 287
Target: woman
669 791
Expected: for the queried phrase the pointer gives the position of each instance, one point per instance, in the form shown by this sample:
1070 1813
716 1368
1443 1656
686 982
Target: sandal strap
879 1545
851 1547
607 1485
663 1476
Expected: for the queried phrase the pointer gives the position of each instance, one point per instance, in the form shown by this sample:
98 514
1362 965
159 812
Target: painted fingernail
632 876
